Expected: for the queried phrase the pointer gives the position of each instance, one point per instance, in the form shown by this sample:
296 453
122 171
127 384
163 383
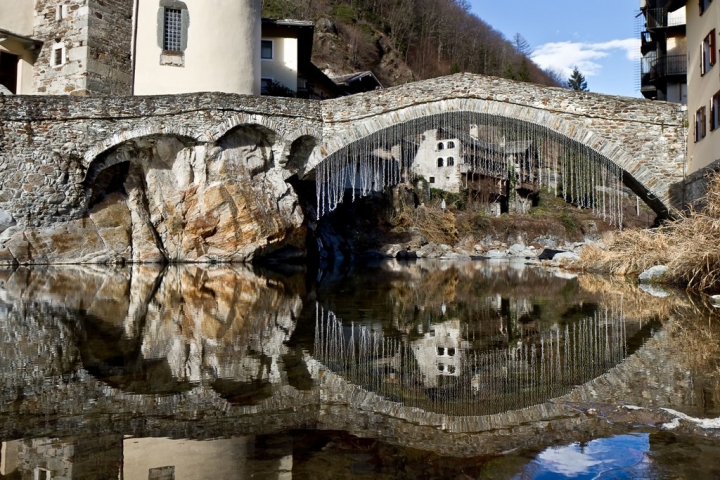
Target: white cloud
564 56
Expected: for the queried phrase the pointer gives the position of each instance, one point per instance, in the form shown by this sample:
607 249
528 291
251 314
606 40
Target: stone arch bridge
201 177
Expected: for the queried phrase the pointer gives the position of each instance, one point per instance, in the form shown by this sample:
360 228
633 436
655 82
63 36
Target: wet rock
6 221
406 255
653 274
495 253
549 254
565 258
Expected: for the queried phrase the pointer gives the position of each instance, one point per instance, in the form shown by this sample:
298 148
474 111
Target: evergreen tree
522 47
577 81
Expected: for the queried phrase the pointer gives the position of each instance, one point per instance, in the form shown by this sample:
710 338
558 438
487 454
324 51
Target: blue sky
599 37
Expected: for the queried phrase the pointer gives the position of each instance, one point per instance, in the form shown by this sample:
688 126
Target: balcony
660 18
664 66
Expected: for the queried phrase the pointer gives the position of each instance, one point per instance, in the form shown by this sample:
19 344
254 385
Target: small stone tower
87 47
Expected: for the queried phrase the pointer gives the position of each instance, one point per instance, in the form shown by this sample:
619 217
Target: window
441 350
704 5
441 367
440 162
451 369
450 162
707 52
451 352
266 49
432 180
58 55
60 12
265 84
451 145
715 111
172 32
700 121
172 38
42 474
8 71
440 146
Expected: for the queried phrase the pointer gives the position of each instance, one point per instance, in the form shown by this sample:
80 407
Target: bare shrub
688 246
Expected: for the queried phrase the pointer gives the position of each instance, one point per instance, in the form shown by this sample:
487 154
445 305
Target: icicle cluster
487 381
504 148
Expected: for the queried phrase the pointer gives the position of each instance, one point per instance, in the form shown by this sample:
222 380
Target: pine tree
522 47
577 81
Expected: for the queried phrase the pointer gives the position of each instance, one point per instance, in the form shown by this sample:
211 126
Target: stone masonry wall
54 150
109 60
72 32
48 143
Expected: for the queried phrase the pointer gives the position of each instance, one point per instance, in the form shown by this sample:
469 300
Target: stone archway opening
456 151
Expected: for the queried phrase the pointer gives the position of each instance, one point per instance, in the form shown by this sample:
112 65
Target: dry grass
437 226
688 246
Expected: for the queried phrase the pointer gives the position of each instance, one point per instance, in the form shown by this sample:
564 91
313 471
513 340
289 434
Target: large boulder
653 274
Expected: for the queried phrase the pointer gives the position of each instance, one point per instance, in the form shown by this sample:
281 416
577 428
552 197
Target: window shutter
712 47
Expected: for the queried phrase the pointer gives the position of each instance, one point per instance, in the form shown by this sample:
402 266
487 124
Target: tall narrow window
266 49
700 122
450 162
704 5
440 162
715 111
172 38
58 55
707 52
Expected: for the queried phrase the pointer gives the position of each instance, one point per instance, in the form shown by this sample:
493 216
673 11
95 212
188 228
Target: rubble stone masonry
53 150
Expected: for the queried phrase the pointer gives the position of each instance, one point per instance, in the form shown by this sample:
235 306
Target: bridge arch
609 145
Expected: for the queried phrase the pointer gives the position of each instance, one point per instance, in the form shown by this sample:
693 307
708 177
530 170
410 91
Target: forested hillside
406 40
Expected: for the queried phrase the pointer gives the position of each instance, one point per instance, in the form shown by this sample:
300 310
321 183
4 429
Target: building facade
664 52
703 105
125 47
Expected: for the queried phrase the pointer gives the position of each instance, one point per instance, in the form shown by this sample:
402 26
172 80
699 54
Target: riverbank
686 250
404 225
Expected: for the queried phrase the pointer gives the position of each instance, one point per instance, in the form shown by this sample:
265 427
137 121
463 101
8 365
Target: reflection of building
144 458
438 353
664 53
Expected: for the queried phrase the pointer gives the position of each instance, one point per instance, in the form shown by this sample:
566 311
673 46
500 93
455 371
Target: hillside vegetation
407 40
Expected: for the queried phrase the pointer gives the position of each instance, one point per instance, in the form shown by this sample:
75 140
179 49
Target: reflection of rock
157 199
198 324
150 330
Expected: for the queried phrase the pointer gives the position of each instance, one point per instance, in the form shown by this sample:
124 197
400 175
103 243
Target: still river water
387 370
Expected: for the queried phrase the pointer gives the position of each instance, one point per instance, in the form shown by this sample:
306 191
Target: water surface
421 370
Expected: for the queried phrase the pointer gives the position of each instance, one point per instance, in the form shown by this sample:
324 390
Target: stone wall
109 56
96 35
185 158
202 177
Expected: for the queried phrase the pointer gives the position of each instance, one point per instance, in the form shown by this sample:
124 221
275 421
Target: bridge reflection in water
455 371
98 363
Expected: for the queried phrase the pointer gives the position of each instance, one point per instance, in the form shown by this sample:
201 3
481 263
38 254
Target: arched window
450 161
440 146
440 162
451 144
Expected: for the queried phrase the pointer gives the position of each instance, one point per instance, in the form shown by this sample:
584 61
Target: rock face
159 200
